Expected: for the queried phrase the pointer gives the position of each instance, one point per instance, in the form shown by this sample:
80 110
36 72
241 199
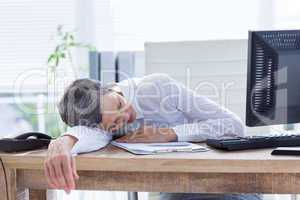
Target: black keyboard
255 142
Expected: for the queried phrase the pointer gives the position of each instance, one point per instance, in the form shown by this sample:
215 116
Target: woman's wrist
68 140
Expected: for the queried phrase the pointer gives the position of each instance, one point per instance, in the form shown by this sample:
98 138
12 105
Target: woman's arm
206 118
59 165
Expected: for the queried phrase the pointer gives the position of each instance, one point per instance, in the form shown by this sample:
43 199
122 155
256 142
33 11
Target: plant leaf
50 58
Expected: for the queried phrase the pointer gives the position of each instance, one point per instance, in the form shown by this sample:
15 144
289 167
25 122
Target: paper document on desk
156 148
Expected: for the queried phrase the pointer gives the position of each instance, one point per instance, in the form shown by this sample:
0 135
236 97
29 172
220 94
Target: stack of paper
154 148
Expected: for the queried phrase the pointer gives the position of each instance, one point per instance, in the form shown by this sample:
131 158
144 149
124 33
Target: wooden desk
113 169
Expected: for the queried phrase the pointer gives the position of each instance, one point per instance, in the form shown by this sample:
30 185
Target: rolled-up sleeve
88 139
209 129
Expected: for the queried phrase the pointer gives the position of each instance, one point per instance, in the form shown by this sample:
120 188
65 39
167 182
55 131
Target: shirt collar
128 89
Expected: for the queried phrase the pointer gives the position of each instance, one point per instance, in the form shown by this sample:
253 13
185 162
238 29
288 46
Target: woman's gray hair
80 104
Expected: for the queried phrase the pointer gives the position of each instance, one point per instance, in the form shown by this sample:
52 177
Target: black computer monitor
273 79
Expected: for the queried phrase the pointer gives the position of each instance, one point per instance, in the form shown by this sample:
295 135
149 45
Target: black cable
5 176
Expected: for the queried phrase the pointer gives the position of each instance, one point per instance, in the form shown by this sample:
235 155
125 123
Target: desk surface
214 161
253 171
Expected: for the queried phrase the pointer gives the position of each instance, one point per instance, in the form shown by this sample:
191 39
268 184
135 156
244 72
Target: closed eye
110 129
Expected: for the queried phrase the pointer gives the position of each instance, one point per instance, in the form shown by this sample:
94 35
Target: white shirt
161 101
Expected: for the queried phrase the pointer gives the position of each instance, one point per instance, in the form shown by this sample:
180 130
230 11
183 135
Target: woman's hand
59 165
150 135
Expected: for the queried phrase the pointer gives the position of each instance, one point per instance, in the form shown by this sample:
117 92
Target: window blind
26 27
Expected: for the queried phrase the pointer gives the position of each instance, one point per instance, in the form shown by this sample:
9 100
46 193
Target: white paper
154 148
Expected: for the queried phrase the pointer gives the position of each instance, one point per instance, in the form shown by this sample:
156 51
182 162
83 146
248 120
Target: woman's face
116 112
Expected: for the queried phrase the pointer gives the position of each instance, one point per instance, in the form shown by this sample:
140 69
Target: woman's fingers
52 174
132 138
74 169
126 139
48 177
59 175
68 173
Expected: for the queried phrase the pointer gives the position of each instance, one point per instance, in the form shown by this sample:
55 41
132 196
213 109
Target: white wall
216 69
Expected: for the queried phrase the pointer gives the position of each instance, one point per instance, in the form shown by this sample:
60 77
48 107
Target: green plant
65 42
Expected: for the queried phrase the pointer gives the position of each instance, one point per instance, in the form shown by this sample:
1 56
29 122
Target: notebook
156 148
